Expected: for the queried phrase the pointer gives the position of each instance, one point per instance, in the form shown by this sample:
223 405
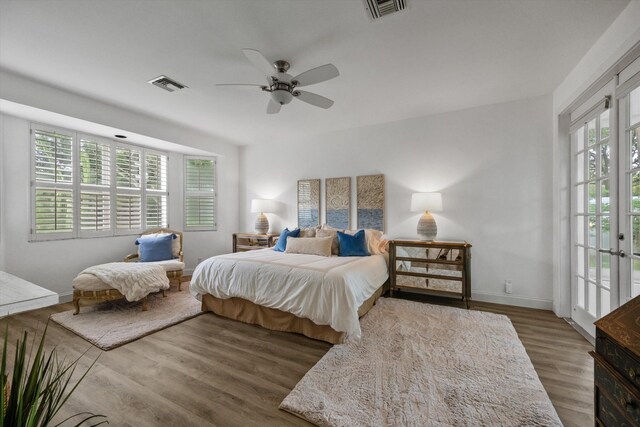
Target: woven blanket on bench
134 280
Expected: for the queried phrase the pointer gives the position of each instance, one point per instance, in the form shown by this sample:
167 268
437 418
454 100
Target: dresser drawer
443 285
619 359
611 385
608 414
444 255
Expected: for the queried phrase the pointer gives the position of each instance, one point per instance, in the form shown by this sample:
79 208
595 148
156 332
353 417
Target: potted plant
39 385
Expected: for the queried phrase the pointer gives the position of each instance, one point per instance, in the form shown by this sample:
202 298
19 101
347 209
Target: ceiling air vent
380 8
166 83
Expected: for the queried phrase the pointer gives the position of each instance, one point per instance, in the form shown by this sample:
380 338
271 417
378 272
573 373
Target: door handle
619 253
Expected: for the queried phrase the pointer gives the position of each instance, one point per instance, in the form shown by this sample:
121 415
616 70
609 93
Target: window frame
92 187
187 193
34 184
77 187
148 192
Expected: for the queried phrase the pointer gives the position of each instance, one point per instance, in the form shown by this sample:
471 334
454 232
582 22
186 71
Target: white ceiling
437 56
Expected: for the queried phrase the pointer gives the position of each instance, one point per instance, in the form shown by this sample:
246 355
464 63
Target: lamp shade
262 206
421 202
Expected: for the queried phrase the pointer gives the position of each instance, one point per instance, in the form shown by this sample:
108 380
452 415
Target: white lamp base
262 224
427 228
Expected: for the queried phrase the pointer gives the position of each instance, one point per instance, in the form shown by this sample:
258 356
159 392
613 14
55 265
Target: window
95 180
156 188
199 194
53 183
87 186
128 189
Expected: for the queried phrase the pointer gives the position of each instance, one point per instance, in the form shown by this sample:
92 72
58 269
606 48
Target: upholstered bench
88 286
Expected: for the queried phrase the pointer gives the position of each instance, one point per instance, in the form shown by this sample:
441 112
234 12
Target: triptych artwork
369 202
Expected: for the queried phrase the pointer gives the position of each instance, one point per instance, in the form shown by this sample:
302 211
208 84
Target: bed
320 297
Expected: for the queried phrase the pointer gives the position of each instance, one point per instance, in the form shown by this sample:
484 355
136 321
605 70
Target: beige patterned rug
425 365
108 325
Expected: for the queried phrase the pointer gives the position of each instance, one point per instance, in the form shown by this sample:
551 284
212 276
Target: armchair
173 267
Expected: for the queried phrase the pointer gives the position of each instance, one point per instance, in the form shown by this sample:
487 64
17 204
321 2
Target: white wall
492 165
2 231
54 264
601 59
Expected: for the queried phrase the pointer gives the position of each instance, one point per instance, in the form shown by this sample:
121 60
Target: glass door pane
629 132
594 205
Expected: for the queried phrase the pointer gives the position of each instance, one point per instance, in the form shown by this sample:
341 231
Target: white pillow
175 243
309 245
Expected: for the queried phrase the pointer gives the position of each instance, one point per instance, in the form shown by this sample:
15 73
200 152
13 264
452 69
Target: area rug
108 325
424 365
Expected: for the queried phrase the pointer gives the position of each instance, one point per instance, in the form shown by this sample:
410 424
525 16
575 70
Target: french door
595 248
605 166
629 130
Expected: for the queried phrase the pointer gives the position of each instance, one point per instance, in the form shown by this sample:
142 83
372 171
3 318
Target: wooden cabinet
252 241
617 367
435 268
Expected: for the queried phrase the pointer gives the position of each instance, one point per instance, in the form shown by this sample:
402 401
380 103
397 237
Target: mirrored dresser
440 268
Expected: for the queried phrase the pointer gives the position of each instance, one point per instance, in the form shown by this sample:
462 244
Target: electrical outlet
507 287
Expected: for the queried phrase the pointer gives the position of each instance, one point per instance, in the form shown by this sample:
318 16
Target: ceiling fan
283 87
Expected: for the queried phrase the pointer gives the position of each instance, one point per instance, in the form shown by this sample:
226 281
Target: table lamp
262 206
427 203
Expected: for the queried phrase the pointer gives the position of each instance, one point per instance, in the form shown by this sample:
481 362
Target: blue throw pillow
355 245
157 248
281 244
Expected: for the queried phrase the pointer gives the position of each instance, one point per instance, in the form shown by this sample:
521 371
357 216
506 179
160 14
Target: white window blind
128 189
53 182
53 210
128 212
128 167
156 189
95 179
200 194
88 186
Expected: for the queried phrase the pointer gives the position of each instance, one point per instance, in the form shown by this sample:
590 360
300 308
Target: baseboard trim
513 300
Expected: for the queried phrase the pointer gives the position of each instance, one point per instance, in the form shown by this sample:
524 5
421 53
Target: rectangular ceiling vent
380 8
166 83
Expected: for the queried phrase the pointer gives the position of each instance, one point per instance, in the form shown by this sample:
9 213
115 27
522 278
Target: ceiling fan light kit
282 86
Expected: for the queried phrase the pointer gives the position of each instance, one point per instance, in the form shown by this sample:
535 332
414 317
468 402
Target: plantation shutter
156 190
95 180
128 190
200 197
53 182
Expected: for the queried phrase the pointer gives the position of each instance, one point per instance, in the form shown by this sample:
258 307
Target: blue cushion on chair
157 248
355 245
281 244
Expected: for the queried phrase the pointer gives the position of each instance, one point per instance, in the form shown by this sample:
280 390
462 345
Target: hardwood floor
212 371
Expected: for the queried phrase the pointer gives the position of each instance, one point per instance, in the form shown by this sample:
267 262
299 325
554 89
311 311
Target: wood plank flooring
210 371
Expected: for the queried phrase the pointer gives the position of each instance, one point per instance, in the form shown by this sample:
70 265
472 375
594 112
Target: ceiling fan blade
317 75
259 61
314 99
273 107
238 84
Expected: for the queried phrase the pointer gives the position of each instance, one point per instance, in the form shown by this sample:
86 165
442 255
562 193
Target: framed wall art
337 202
308 203
370 201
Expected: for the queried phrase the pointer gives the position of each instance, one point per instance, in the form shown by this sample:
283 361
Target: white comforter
326 290
134 280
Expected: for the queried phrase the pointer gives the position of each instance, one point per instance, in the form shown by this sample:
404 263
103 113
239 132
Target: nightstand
440 268
251 241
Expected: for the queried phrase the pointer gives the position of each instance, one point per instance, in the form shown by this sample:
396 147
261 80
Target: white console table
18 295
